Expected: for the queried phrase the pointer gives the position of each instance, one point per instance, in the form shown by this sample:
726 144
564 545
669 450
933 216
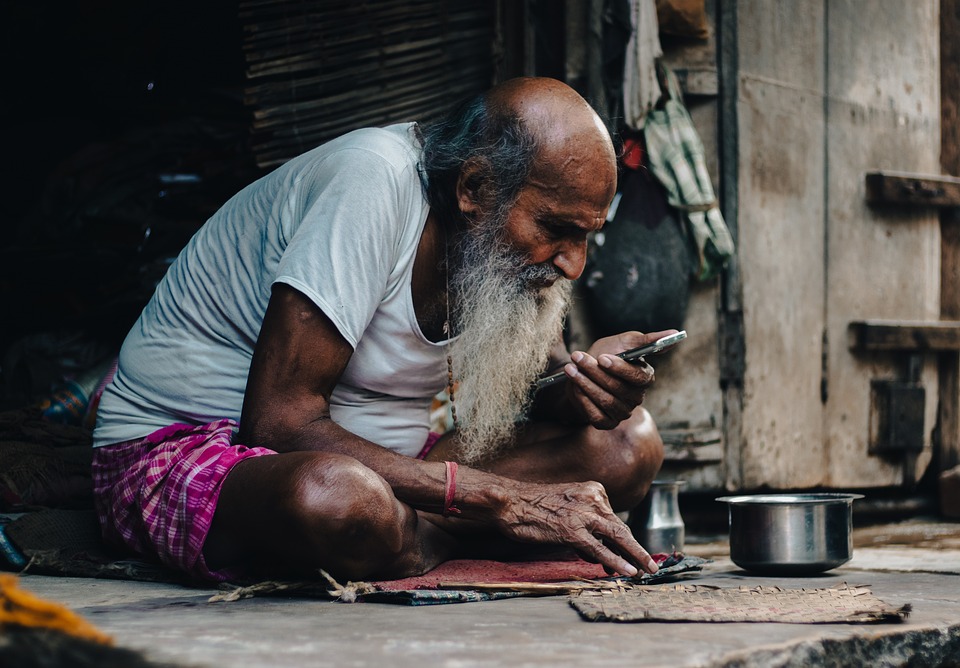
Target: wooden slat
316 117
696 437
947 454
932 336
692 446
918 189
693 454
702 81
319 68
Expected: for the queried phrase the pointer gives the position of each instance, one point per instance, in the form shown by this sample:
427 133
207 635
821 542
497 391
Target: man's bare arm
299 358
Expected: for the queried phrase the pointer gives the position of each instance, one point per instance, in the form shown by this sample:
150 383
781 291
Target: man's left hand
604 388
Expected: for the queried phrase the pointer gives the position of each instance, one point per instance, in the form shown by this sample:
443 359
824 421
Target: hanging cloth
676 158
641 90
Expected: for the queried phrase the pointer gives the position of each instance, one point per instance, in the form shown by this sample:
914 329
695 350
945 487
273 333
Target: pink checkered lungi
157 495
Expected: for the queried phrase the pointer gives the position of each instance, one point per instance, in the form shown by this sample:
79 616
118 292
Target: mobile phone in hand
633 355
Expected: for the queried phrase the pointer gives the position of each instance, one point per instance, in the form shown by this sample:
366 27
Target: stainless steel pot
791 534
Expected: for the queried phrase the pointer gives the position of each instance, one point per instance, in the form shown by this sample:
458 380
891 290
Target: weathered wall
780 220
828 91
883 112
822 92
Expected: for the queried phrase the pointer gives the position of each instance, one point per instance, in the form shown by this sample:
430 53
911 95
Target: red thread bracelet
451 490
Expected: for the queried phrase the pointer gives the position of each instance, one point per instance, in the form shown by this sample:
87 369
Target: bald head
574 151
555 114
522 130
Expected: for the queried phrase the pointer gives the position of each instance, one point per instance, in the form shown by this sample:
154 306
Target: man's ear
472 187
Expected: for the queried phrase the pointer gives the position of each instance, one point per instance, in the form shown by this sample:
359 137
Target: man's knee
346 498
633 456
347 513
643 437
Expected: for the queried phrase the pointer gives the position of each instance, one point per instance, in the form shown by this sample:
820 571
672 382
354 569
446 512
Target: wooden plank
693 454
882 260
703 445
705 436
950 86
948 436
701 81
917 189
929 336
318 68
948 433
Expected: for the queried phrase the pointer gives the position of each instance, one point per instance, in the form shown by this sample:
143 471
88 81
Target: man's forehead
574 155
547 182
581 204
591 176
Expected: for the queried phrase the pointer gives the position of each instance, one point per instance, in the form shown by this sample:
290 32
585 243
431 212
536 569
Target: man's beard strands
506 332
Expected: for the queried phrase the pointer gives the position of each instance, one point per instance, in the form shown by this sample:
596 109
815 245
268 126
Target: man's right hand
578 515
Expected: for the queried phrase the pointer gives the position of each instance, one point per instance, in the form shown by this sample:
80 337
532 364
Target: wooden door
840 92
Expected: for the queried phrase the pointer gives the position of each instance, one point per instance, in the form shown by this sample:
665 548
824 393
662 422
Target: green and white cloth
676 157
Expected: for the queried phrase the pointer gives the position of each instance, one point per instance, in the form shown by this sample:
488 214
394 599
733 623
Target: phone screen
633 355
655 347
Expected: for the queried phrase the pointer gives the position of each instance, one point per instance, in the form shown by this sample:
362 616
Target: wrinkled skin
604 388
333 500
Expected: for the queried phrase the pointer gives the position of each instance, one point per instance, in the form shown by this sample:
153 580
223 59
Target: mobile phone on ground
632 355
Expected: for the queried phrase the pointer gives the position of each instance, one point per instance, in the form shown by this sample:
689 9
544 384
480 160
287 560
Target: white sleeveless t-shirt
341 224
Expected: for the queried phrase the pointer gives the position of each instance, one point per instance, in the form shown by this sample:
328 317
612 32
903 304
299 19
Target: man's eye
554 231
564 232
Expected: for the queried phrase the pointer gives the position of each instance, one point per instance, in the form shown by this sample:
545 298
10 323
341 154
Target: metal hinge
732 354
824 367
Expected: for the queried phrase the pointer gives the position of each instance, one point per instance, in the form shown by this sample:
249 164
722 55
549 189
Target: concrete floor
915 562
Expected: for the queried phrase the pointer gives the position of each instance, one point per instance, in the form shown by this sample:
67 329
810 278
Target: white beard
506 332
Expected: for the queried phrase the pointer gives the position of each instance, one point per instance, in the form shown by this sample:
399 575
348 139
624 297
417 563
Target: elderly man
270 414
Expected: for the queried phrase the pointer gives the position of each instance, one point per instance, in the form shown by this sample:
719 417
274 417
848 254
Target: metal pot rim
668 483
789 499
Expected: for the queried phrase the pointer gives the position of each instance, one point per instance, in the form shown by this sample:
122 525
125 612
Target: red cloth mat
495 572
466 580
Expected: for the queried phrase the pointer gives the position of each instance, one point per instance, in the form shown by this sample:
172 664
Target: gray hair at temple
494 138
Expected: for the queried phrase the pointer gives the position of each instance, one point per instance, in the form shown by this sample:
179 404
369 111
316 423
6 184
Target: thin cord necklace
448 330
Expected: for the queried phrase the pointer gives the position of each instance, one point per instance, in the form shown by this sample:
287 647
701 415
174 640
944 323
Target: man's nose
571 260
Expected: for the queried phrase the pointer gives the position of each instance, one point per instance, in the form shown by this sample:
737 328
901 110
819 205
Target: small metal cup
656 523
